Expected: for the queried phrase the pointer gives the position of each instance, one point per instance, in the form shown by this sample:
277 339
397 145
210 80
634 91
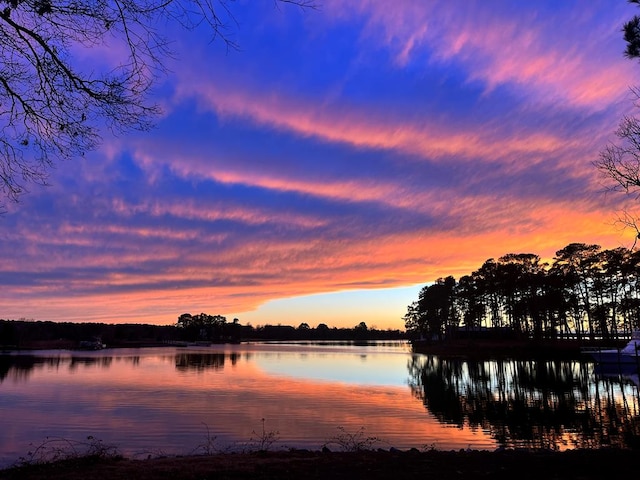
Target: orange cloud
242 276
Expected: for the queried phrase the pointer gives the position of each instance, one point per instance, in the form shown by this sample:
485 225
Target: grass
358 457
369 464
53 450
263 440
352 442
56 449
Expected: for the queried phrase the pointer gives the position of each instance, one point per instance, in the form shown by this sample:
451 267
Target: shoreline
451 348
513 349
73 346
370 464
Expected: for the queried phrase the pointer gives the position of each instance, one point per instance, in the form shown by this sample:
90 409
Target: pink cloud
578 64
432 139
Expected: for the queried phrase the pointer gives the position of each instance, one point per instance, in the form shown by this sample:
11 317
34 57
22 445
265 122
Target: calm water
179 400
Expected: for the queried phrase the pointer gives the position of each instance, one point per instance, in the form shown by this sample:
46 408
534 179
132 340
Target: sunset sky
339 160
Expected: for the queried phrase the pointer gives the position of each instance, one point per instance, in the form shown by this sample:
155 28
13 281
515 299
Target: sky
336 162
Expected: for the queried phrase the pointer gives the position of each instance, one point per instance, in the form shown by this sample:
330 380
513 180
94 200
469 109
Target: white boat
93 344
628 355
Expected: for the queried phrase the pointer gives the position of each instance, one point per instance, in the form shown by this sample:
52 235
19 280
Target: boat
93 344
629 355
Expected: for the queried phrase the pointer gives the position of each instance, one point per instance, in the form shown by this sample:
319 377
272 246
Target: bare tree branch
619 163
52 110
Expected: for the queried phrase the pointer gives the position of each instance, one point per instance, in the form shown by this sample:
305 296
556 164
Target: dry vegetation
345 465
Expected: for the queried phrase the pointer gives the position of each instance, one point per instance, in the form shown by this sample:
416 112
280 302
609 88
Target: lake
182 400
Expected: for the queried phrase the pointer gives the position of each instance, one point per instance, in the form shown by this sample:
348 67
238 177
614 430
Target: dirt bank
370 465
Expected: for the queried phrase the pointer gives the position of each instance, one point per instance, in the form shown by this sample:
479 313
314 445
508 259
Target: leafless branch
51 109
619 163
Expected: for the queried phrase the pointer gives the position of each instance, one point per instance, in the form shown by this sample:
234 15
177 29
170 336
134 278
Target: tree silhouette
586 292
52 108
631 30
202 326
620 162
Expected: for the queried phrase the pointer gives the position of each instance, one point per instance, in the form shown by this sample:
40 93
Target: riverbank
372 465
465 348
512 349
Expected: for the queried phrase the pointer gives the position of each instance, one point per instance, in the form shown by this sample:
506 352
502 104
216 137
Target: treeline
216 328
46 334
586 292
189 328
322 333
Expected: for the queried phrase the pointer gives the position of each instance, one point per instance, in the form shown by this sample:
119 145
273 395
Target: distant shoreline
512 348
39 335
465 348
73 346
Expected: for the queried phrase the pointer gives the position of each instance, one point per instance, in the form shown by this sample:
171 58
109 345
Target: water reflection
202 361
76 362
534 404
19 367
165 399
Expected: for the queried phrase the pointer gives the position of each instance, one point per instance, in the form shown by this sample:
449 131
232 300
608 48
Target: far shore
475 348
460 348
73 346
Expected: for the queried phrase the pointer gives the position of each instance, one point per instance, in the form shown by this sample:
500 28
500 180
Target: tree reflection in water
203 361
531 404
19 367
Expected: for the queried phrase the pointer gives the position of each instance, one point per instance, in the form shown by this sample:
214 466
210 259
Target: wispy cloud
554 51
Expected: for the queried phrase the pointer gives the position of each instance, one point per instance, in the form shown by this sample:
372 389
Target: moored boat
93 344
628 355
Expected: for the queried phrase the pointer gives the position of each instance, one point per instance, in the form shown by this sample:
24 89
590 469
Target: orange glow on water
172 397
